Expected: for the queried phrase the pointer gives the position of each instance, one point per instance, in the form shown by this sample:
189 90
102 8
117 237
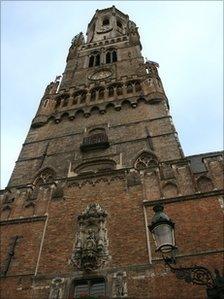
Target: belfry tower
101 152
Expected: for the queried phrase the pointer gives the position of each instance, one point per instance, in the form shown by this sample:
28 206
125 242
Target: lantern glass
163 234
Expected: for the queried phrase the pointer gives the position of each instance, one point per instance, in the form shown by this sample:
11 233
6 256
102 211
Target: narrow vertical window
119 90
91 61
58 103
101 93
97 61
114 56
108 57
83 97
137 86
111 91
129 88
93 95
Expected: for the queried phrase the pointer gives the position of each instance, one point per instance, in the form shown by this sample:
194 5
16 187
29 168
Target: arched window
119 90
108 57
129 88
97 60
145 160
91 61
58 103
83 97
65 102
110 91
94 59
46 102
111 56
119 24
137 87
106 22
93 96
114 56
101 93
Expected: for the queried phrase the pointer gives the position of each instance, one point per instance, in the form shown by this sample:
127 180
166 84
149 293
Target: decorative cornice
23 220
198 195
95 178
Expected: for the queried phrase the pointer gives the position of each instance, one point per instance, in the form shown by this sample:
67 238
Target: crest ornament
90 252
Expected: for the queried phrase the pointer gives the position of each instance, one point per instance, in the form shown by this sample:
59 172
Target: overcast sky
184 37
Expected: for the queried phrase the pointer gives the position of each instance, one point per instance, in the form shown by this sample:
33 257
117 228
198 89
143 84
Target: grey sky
184 37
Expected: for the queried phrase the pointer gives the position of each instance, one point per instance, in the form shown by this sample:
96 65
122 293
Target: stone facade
101 152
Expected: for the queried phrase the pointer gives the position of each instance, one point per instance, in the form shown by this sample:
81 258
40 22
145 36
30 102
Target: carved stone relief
120 285
91 250
56 291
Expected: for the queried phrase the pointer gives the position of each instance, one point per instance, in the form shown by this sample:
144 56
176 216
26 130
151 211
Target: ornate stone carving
120 285
56 288
152 66
91 245
145 160
133 34
52 86
46 176
77 41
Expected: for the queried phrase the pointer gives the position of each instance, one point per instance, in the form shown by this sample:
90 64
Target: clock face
101 75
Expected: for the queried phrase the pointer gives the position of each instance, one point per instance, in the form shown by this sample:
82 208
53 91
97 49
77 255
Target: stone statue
56 288
119 285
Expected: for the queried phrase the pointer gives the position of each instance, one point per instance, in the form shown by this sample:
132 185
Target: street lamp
162 229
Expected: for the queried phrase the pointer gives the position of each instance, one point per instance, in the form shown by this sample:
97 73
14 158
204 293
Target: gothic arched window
101 93
108 57
111 56
83 97
106 22
94 59
97 60
119 90
114 56
58 103
129 88
137 87
110 91
65 102
45 177
145 160
91 61
93 96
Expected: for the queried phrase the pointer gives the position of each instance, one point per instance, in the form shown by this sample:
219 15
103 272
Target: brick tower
101 152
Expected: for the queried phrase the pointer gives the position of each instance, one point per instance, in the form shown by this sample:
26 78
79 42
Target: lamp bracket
197 274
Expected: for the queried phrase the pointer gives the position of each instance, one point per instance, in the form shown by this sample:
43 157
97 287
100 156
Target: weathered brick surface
143 165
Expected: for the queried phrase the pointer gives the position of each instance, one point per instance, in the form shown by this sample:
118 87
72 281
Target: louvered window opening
94 141
90 288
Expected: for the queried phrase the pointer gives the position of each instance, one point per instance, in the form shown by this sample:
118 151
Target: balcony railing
95 141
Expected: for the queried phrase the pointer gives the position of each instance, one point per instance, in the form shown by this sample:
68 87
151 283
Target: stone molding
23 220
